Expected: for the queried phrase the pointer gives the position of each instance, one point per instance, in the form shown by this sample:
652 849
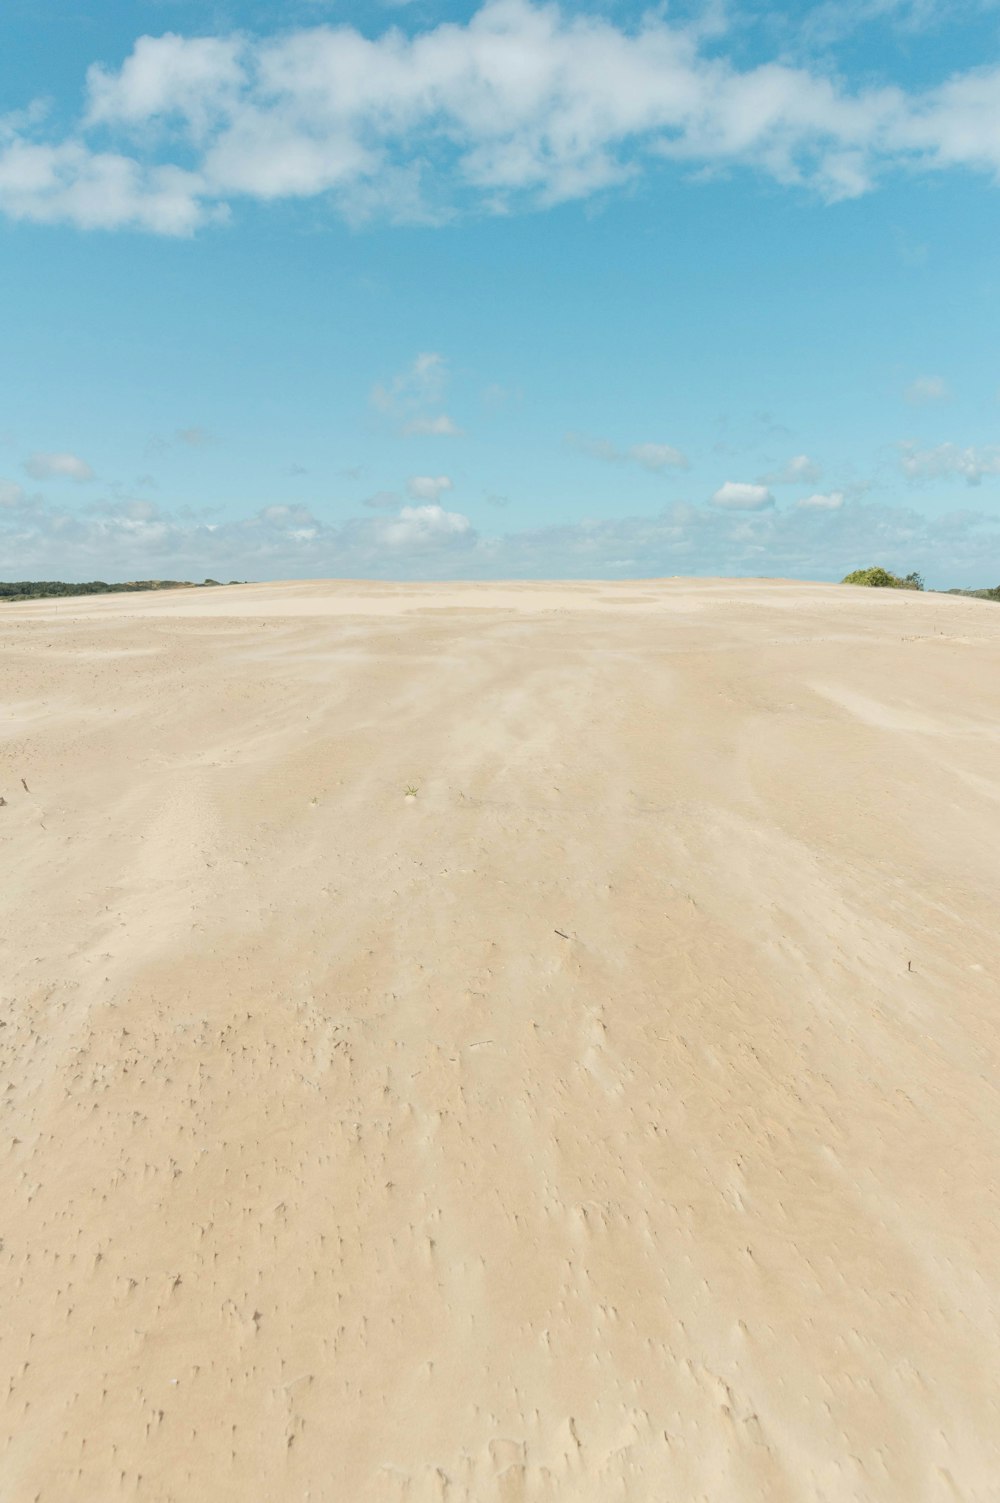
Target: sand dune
616 1119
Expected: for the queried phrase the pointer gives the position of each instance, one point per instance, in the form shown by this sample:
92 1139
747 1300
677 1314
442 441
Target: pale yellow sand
331 1170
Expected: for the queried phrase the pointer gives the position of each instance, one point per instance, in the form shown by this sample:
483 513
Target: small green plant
881 579
411 790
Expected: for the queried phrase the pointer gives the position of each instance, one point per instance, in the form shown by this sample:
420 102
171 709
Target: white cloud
522 105
295 517
926 389
197 80
428 487
822 501
416 526
72 183
421 525
944 460
799 470
738 495
58 467
137 540
649 456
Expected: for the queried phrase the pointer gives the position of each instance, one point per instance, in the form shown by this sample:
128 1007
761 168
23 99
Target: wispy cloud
411 396
822 501
13 496
194 437
649 456
441 426
799 470
420 126
421 383
58 467
496 397
926 389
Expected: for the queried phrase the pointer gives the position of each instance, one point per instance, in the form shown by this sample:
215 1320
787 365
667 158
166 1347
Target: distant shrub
989 594
38 589
881 579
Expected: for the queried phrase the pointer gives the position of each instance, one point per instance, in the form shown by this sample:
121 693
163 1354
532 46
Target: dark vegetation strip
41 589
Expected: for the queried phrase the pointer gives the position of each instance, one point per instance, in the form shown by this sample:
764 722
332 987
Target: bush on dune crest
881 579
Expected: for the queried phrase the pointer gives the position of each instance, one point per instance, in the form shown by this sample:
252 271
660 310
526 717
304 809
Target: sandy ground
616 1119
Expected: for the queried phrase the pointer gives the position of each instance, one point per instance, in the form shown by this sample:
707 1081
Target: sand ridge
614 1119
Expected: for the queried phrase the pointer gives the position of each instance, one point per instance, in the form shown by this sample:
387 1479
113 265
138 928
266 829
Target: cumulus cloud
71 182
799 470
295 522
136 539
822 501
58 467
418 526
196 80
649 456
738 495
521 105
428 487
926 389
945 460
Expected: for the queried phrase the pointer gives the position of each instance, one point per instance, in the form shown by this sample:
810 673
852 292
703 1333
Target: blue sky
438 290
